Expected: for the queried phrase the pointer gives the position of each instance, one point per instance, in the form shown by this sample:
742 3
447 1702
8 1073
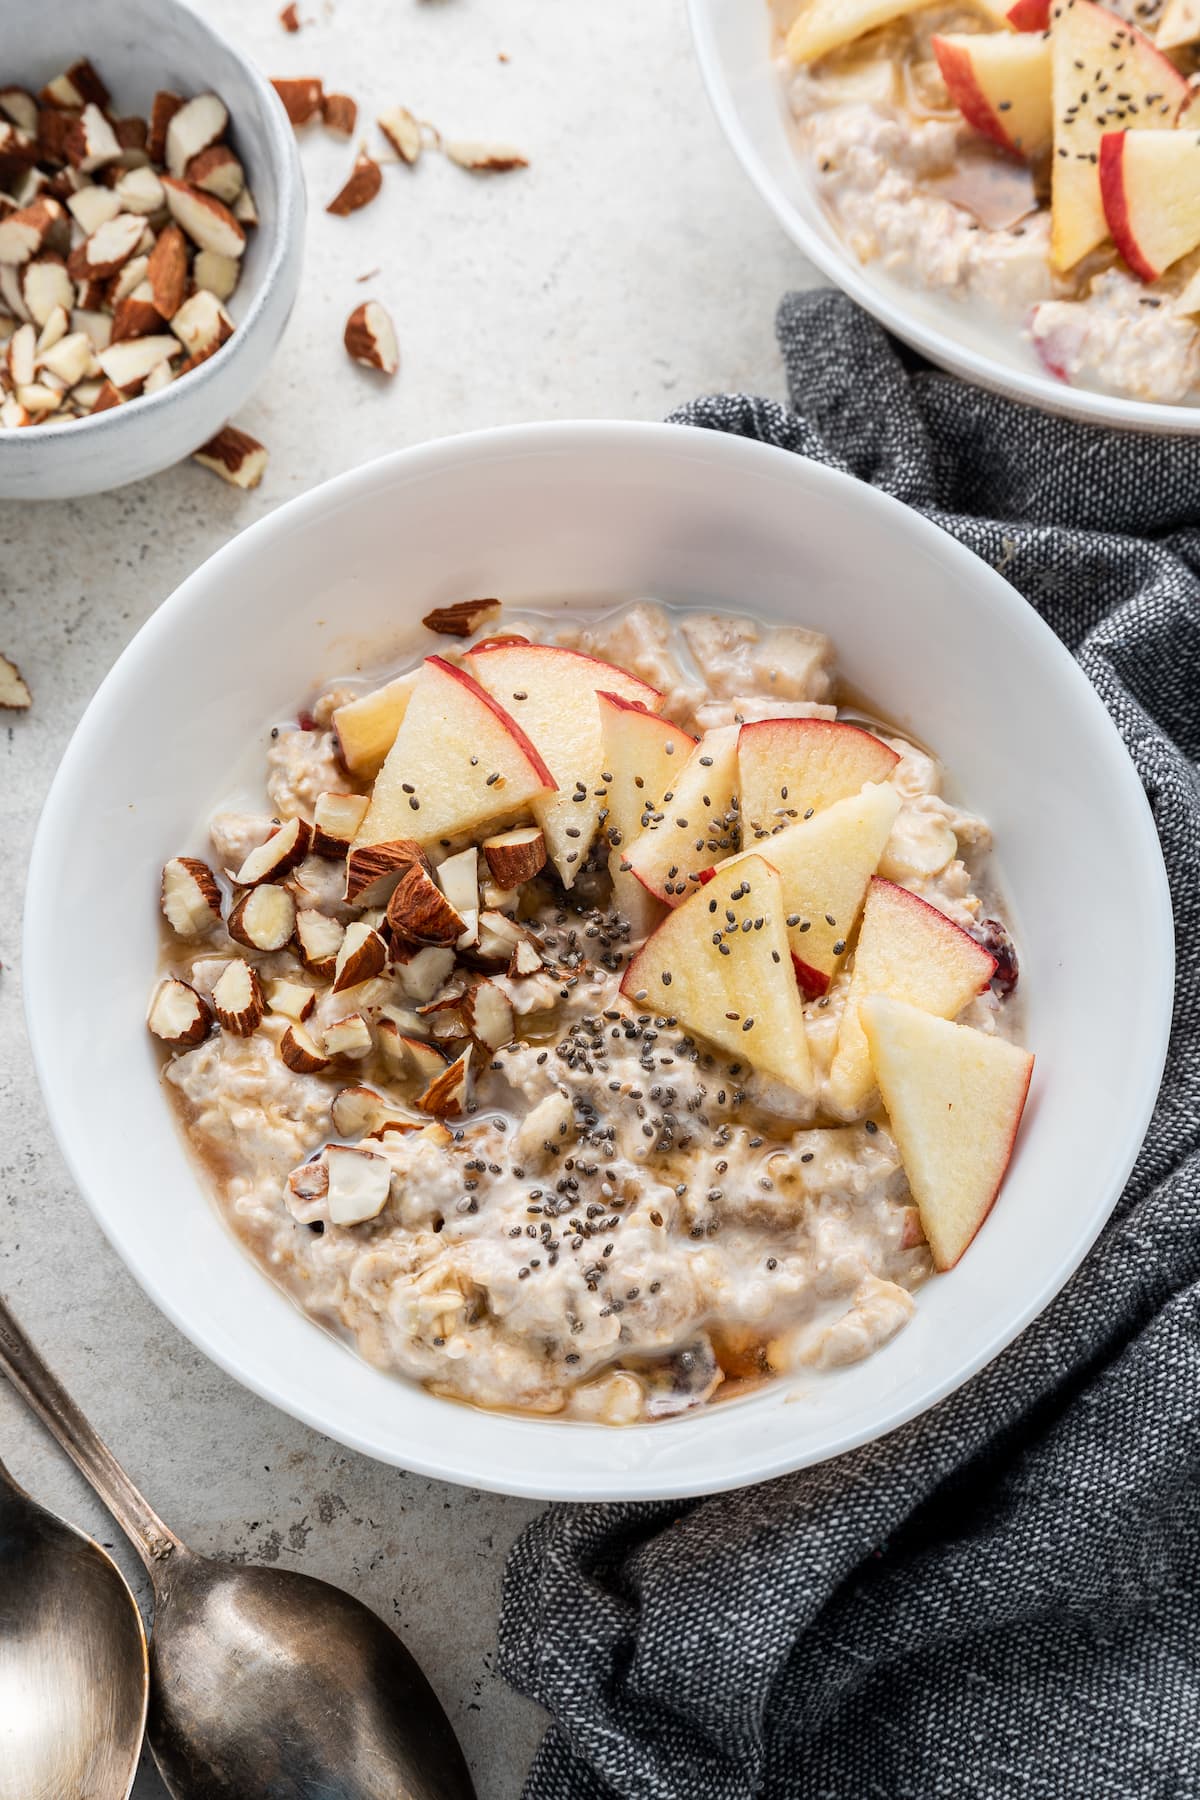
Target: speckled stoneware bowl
139 46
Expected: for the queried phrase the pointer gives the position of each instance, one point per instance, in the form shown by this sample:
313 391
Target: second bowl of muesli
596 1020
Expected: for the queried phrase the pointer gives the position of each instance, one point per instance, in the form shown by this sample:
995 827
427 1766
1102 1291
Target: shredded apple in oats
593 1019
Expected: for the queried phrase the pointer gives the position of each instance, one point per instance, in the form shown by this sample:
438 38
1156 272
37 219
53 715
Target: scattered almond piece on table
235 456
14 690
289 18
339 113
301 96
366 179
403 133
484 159
370 338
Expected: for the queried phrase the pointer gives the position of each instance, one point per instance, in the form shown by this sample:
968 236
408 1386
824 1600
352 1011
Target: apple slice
823 25
1150 186
788 768
955 1099
366 728
697 827
1000 82
1179 24
729 984
641 758
1106 76
458 762
1029 15
552 692
825 864
909 951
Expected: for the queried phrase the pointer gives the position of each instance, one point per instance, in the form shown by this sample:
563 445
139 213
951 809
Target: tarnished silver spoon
73 1670
264 1684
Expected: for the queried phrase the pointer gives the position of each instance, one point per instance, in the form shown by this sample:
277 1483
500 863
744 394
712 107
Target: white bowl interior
563 516
734 44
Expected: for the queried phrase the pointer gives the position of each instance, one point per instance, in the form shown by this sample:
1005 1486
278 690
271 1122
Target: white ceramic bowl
733 44
139 46
566 516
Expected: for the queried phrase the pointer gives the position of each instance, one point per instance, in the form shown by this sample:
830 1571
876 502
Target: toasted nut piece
235 456
218 274
163 110
108 249
167 271
281 852
39 397
498 938
20 108
515 856
408 1055
359 1184
217 171
178 1015
289 18
54 126
422 971
193 126
91 141
461 619
237 999
447 1092
75 87
448 998
12 414
96 325
108 396
526 958
339 113
201 324
419 912
490 1017
403 133
10 292
209 223
127 364
301 98
311 1180
370 338
336 818
320 939
191 899
136 316
47 289
349 1038
365 181
484 159
244 209
138 191
122 284
372 870
361 1112
263 918
458 878
294 999
14 691
22 348
91 207
25 232
18 148
301 1052
362 955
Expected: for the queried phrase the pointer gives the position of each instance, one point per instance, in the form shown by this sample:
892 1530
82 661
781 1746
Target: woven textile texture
1000 1599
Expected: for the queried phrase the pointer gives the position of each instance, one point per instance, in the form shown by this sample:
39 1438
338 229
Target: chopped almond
403 133
136 316
205 219
484 159
178 1015
490 1018
14 690
515 856
447 1092
419 912
166 270
281 852
364 183
336 818
162 111
407 1054
217 171
301 1052
463 618
526 958
361 956
25 232
372 870
195 125
191 899
349 1038
361 1112
294 999
263 918
301 97
235 456
339 114
320 939
359 1184
238 1000
289 18
370 338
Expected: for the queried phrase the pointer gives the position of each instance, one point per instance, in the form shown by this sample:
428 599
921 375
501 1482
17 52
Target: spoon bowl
73 1668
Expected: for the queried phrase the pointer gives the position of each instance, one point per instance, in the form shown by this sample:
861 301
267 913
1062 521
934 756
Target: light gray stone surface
628 268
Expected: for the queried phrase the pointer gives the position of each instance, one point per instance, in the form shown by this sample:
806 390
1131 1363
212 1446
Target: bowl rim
838 267
285 156
450 1462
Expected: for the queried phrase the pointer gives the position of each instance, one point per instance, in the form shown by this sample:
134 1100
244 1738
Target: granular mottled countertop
626 270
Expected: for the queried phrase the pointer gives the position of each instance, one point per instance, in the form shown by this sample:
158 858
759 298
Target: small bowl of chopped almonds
151 233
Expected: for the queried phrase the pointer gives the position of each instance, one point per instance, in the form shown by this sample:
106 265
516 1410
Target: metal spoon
265 1684
74 1678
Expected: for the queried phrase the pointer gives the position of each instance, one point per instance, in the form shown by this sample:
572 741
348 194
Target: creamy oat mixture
621 1221
919 195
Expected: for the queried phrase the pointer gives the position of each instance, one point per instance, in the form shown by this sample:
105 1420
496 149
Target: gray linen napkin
1001 1598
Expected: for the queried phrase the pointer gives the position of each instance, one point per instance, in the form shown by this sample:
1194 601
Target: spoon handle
154 1543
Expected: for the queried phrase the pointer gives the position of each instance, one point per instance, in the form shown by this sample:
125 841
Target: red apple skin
652 693
911 899
959 76
944 1268
624 705
479 693
811 982
1029 15
1116 205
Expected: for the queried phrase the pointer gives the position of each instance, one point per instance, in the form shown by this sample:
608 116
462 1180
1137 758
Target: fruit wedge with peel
1000 82
641 758
697 827
459 761
825 864
1150 186
909 951
1029 15
1107 76
366 727
824 25
552 692
730 985
789 767
955 1098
